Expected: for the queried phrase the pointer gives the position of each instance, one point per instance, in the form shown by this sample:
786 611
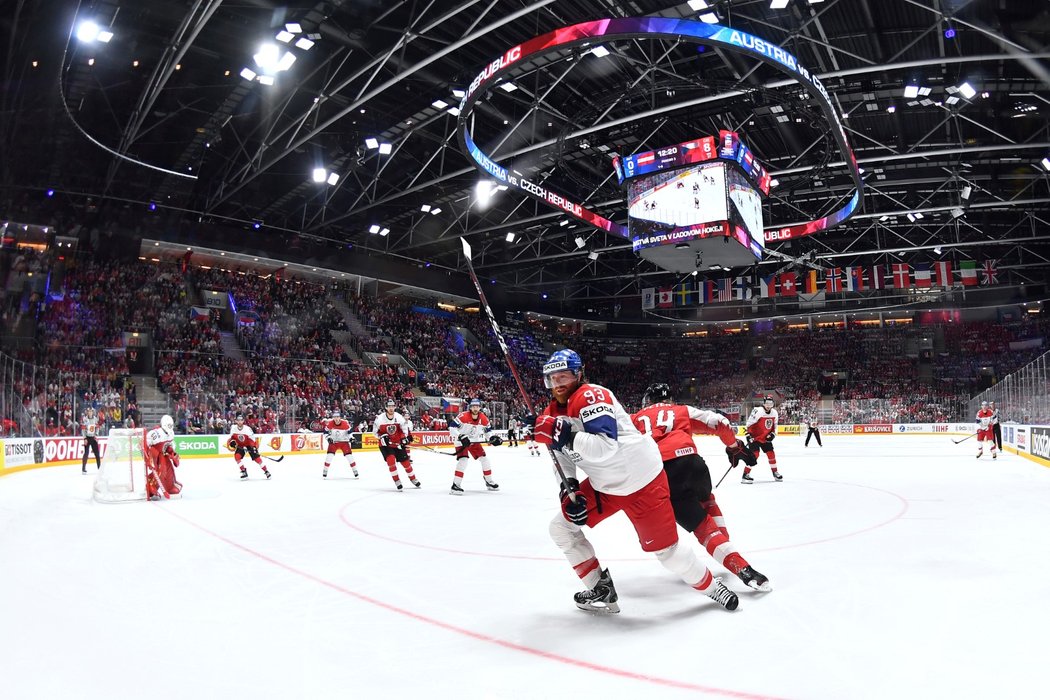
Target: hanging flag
788 284
849 280
664 298
878 277
901 275
199 313
989 272
922 275
833 281
767 286
648 298
943 272
859 283
742 288
968 273
683 294
809 282
707 292
723 289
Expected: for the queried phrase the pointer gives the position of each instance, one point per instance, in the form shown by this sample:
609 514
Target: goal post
122 474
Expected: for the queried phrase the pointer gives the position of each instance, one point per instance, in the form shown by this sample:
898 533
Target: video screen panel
678 199
746 204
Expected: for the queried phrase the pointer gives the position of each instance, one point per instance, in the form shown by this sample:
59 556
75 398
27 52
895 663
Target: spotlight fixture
967 91
593 255
435 211
385 149
294 27
320 174
599 52
911 90
937 250
580 241
374 228
949 33
508 87
333 179
371 142
459 94
1046 164
256 224
384 232
965 193
425 208
304 43
510 237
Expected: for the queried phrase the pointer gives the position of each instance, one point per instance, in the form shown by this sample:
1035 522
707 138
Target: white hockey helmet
336 413
390 405
167 425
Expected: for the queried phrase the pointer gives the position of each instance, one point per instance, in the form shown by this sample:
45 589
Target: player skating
984 430
242 440
337 430
392 430
161 460
672 426
530 441
89 429
470 429
761 429
589 430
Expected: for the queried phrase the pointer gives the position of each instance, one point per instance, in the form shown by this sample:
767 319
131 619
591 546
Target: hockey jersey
762 422
243 435
984 418
156 437
476 429
395 428
615 456
89 426
673 426
338 429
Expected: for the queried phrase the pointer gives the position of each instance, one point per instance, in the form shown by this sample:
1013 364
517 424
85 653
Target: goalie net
122 475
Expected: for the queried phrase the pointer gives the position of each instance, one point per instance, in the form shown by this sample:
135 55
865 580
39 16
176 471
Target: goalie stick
468 256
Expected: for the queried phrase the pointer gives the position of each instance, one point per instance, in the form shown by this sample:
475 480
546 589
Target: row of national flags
836 280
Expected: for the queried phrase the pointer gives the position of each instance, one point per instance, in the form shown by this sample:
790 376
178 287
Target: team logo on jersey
683 451
769 423
391 429
591 412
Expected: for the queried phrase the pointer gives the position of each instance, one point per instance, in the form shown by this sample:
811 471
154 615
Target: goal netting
122 476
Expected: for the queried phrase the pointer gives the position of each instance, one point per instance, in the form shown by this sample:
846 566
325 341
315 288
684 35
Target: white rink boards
901 566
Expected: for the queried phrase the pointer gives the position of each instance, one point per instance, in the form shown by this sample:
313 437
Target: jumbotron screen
678 199
746 205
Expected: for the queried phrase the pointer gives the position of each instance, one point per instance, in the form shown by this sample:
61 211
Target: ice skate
492 486
244 473
746 479
979 454
267 473
754 579
356 475
777 475
456 490
995 455
722 595
601 599
324 474
415 482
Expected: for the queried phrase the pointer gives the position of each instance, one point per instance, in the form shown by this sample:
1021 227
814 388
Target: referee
997 430
814 431
89 429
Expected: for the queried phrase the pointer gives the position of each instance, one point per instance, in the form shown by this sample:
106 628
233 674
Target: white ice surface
901 567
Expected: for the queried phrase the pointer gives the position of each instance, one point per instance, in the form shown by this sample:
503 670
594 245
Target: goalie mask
167 425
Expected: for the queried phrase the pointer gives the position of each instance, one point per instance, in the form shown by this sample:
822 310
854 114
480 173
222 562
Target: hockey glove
175 458
410 439
384 440
770 435
232 444
555 432
574 512
495 441
464 440
739 453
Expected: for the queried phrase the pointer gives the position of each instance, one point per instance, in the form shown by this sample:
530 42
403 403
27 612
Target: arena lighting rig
585 33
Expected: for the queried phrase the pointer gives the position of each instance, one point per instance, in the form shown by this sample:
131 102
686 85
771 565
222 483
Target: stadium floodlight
294 27
374 228
911 217
884 217
284 37
459 94
248 74
304 43
371 142
385 149
911 90
454 111
778 4
967 91
918 215
320 174
87 31
439 104
265 79
511 237
593 255
267 57
508 87
286 61
580 241
937 250
965 194
384 232
891 109
957 212
1046 164
104 36
484 191
333 178
697 5
600 51
425 208
708 18
435 211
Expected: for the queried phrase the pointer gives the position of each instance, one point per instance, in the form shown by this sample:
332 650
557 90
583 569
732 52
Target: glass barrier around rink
895 410
1021 397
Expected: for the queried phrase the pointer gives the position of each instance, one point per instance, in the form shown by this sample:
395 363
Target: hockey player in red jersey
761 429
672 426
242 440
470 429
985 431
337 430
392 430
161 460
589 430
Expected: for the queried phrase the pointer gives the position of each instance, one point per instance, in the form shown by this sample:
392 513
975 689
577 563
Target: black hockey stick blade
274 459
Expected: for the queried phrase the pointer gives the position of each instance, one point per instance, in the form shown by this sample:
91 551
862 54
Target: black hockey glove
384 440
410 439
739 453
464 440
495 441
232 444
575 513
770 435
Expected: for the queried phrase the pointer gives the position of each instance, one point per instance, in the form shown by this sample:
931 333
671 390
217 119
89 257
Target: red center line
550 656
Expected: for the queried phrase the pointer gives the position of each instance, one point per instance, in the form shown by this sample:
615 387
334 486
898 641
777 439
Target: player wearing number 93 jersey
589 431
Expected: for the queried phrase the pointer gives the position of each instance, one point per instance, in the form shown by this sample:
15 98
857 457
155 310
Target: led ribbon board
663 28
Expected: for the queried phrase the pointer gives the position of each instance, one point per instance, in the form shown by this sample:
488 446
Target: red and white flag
942 273
647 158
788 284
922 275
901 275
833 281
989 272
664 298
878 277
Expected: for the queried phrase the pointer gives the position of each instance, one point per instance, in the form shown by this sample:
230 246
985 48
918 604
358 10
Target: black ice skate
492 486
777 475
456 490
722 595
754 579
601 599
244 473
267 473
415 482
324 474
399 486
746 479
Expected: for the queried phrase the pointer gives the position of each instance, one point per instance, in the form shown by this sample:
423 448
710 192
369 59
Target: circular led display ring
664 28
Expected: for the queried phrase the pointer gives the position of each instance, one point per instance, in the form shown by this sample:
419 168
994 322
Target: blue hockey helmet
473 403
561 361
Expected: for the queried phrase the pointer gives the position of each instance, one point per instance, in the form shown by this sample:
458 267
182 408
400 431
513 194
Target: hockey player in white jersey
761 429
471 429
337 430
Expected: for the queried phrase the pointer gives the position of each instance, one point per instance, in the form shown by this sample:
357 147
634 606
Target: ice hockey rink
902 567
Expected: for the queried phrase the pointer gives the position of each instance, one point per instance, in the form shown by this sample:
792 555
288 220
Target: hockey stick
725 475
272 459
964 439
468 256
437 452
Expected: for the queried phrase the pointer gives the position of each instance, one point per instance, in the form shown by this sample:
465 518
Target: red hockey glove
739 453
574 512
557 433
175 458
